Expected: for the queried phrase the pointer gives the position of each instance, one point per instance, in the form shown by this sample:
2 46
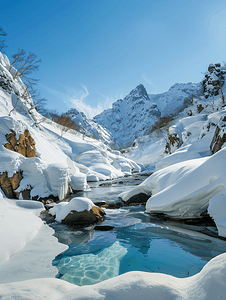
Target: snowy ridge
176 98
91 128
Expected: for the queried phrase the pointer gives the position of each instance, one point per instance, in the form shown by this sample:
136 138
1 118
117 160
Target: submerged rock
89 268
104 227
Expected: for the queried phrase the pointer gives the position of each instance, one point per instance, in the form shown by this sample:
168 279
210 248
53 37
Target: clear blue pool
135 244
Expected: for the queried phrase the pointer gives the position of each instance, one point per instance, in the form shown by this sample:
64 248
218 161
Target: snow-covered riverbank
30 249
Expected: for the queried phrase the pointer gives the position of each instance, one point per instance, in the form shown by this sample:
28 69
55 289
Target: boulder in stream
80 211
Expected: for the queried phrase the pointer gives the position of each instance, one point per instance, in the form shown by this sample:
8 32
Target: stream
138 242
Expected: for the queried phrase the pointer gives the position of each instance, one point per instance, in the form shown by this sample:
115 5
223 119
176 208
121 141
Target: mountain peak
138 92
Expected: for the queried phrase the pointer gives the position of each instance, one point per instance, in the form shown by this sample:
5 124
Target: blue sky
94 52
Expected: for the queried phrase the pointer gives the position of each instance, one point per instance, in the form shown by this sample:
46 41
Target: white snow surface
62 209
187 189
15 233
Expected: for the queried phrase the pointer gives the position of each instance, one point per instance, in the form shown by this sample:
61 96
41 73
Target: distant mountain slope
130 117
91 128
138 112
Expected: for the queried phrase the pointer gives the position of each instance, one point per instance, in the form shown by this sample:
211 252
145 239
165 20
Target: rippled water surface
137 243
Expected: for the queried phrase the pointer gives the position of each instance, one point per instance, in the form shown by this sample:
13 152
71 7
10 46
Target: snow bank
185 189
18 227
209 284
27 244
62 209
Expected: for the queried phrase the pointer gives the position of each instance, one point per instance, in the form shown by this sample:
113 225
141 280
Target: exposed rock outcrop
214 80
138 199
25 145
173 143
10 184
219 137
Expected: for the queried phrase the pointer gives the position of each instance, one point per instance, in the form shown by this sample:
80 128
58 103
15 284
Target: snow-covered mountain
91 128
138 113
130 117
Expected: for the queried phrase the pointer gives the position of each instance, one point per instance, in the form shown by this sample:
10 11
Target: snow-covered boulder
79 211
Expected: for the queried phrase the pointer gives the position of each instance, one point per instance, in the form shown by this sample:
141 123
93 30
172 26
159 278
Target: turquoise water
135 244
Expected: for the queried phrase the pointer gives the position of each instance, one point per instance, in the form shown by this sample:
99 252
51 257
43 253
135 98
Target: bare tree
38 100
25 65
2 41
65 122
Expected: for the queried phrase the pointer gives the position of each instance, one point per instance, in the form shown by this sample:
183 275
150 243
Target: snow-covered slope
58 161
138 112
91 128
191 174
